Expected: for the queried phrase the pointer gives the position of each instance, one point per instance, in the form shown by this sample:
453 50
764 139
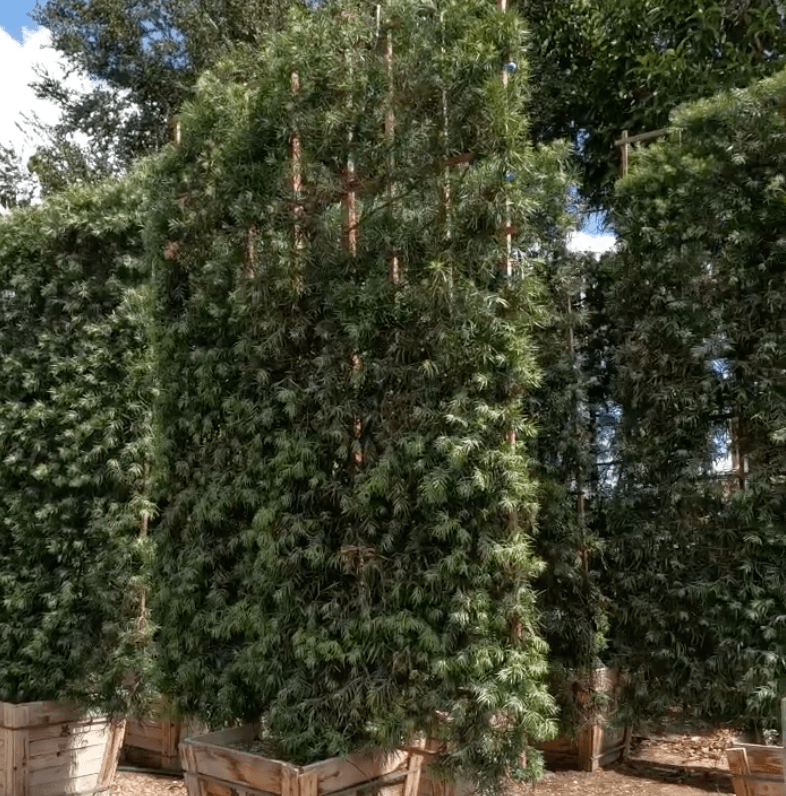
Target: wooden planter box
757 770
48 749
214 769
153 744
596 745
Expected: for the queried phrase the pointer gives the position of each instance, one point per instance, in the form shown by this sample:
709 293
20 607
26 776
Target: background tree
143 59
603 66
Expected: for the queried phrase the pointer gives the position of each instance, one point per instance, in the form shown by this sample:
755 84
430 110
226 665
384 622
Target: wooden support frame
625 142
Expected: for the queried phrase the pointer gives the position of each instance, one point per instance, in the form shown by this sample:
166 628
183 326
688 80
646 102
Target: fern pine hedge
697 559
344 549
75 440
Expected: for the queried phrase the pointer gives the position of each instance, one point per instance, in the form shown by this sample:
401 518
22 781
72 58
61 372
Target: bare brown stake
738 459
447 199
357 423
351 213
174 129
251 250
390 133
296 157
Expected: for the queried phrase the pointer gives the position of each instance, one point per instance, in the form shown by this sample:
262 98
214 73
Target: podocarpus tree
568 411
345 355
75 436
698 559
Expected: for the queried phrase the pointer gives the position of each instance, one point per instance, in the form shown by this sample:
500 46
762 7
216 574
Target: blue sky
13 17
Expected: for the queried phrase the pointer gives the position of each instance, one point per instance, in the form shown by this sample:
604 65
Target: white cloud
17 63
584 242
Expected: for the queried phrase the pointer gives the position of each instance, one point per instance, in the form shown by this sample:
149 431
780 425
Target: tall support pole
508 231
296 158
390 134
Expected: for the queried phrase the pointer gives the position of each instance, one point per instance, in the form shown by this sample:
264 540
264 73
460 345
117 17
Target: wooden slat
412 783
90 755
33 714
112 753
18 762
338 773
68 729
77 785
763 759
234 765
5 762
145 742
289 781
756 770
308 784
59 770
63 743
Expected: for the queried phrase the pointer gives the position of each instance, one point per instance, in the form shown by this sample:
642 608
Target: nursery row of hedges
313 337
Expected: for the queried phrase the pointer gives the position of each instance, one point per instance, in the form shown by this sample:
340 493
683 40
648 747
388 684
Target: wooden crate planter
48 749
214 769
757 770
597 744
153 744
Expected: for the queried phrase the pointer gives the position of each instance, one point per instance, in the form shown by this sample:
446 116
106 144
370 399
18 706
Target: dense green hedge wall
344 546
75 438
697 561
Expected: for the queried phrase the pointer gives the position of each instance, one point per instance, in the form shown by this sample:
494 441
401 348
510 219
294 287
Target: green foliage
75 435
568 420
696 560
603 66
344 546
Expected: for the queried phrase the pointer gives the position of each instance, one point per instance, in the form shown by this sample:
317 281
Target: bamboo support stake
446 194
503 5
390 133
296 155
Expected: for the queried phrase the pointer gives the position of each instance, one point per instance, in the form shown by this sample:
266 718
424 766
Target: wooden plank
5 762
19 745
233 765
783 741
59 770
415 766
62 744
289 781
68 729
738 767
55 759
338 773
144 742
308 784
143 728
77 786
33 714
763 759
112 753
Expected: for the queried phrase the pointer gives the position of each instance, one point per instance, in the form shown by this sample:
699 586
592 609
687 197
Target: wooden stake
296 158
625 142
390 132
